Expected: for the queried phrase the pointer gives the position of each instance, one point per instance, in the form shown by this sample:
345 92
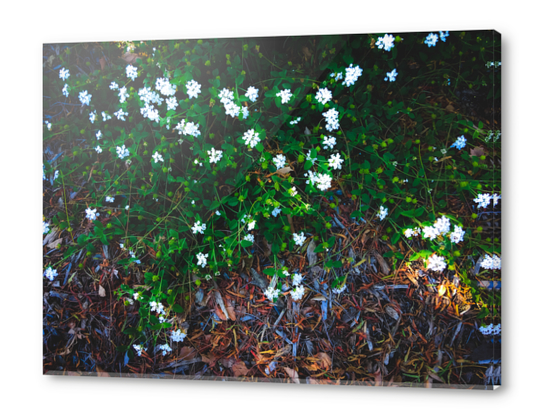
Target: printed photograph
319 209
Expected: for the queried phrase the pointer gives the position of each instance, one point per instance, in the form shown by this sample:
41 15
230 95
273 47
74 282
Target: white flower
457 235
299 239
202 259
285 271
430 232
339 290
199 227
335 161
127 208
444 35
171 103
109 199
164 86
390 76
337 76
122 152
193 88
279 161
136 296
91 214
120 114
276 211
323 95
50 273
442 224
157 157
382 213
217 213
85 97
139 349
249 238
352 75
48 124
329 142
64 73
105 116
92 117
226 96
251 225
294 122
113 85
491 329
332 119
251 138
483 200
284 95
385 42
123 94
98 149
271 293
165 349
188 128
65 90
412 232
131 72
99 135
157 307
214 155
496 198
431 40
46 228
252 93
162 319
298 293
178 335
459 143
232 109
297 279
293 191
323 181
436 263
491 263
244 110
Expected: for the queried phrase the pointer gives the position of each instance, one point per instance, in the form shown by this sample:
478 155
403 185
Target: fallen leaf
228 362
383 264
102 63
101 291
311 255
392 312
130 58
450 108
220 314
239 369
284 171
325 360
292 373
230 309
220 301
441 290
477 151
54 244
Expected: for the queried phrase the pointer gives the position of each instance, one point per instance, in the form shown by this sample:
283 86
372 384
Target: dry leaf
392 312
130 58
102 63
54 244
228 362
230 309
101 291
292 373
220 301
325 360
477 151
450 108
220 314
239 369
284 171
383 264
441 290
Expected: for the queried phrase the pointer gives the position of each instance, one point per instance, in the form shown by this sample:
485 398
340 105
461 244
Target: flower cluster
122 152
139 348
165 349
249 238
332 119
157 157
459 143
297 279
299 238
199 227
297 293
271 293
431 39
323 95
491 329
188 128
64 73
491 263
85 97
385 42
284 95
252 93
382 213
329 142
131 72
202 259
436 263
440 227
178 335
412 232
352 75
214 155
251 138
193 88
91 214
157 307
339 290
50 273
483 200
279 161
46 228
335 161
109 199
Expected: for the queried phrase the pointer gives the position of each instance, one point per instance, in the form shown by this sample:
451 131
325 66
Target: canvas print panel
308 209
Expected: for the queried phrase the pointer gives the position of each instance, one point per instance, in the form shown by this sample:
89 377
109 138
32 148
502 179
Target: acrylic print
302 209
